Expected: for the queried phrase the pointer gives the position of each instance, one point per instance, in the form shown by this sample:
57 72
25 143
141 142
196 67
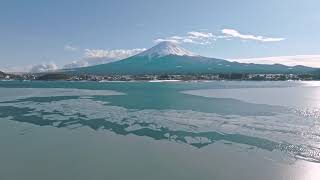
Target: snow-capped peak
166 48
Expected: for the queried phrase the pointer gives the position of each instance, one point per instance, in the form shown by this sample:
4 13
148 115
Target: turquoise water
273 117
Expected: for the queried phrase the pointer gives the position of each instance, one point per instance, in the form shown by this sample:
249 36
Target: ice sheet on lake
301 135
300 97
11 94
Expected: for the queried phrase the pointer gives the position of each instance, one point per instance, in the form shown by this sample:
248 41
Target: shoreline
155 81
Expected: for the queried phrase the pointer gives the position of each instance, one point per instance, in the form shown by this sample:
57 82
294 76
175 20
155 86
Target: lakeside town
163 77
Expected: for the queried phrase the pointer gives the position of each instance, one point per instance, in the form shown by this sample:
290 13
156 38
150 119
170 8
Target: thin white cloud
43 67
187 40
76 64
102 56
16 69
112 54
305 60
177 37
205 38
232 33
35 68
69 47
192 37
199 35
159 40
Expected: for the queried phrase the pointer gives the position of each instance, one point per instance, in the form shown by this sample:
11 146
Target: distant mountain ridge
169 58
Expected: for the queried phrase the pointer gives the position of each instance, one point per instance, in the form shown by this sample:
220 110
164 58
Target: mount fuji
170 58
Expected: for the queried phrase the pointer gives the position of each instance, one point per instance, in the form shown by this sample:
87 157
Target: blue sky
59 32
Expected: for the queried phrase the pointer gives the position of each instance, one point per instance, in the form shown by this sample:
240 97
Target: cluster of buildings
144 77
185 77
5 76
180 77
275 77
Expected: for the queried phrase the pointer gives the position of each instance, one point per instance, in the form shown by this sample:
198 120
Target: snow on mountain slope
166 48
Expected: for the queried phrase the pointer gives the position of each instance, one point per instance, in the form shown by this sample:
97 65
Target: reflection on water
305 171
